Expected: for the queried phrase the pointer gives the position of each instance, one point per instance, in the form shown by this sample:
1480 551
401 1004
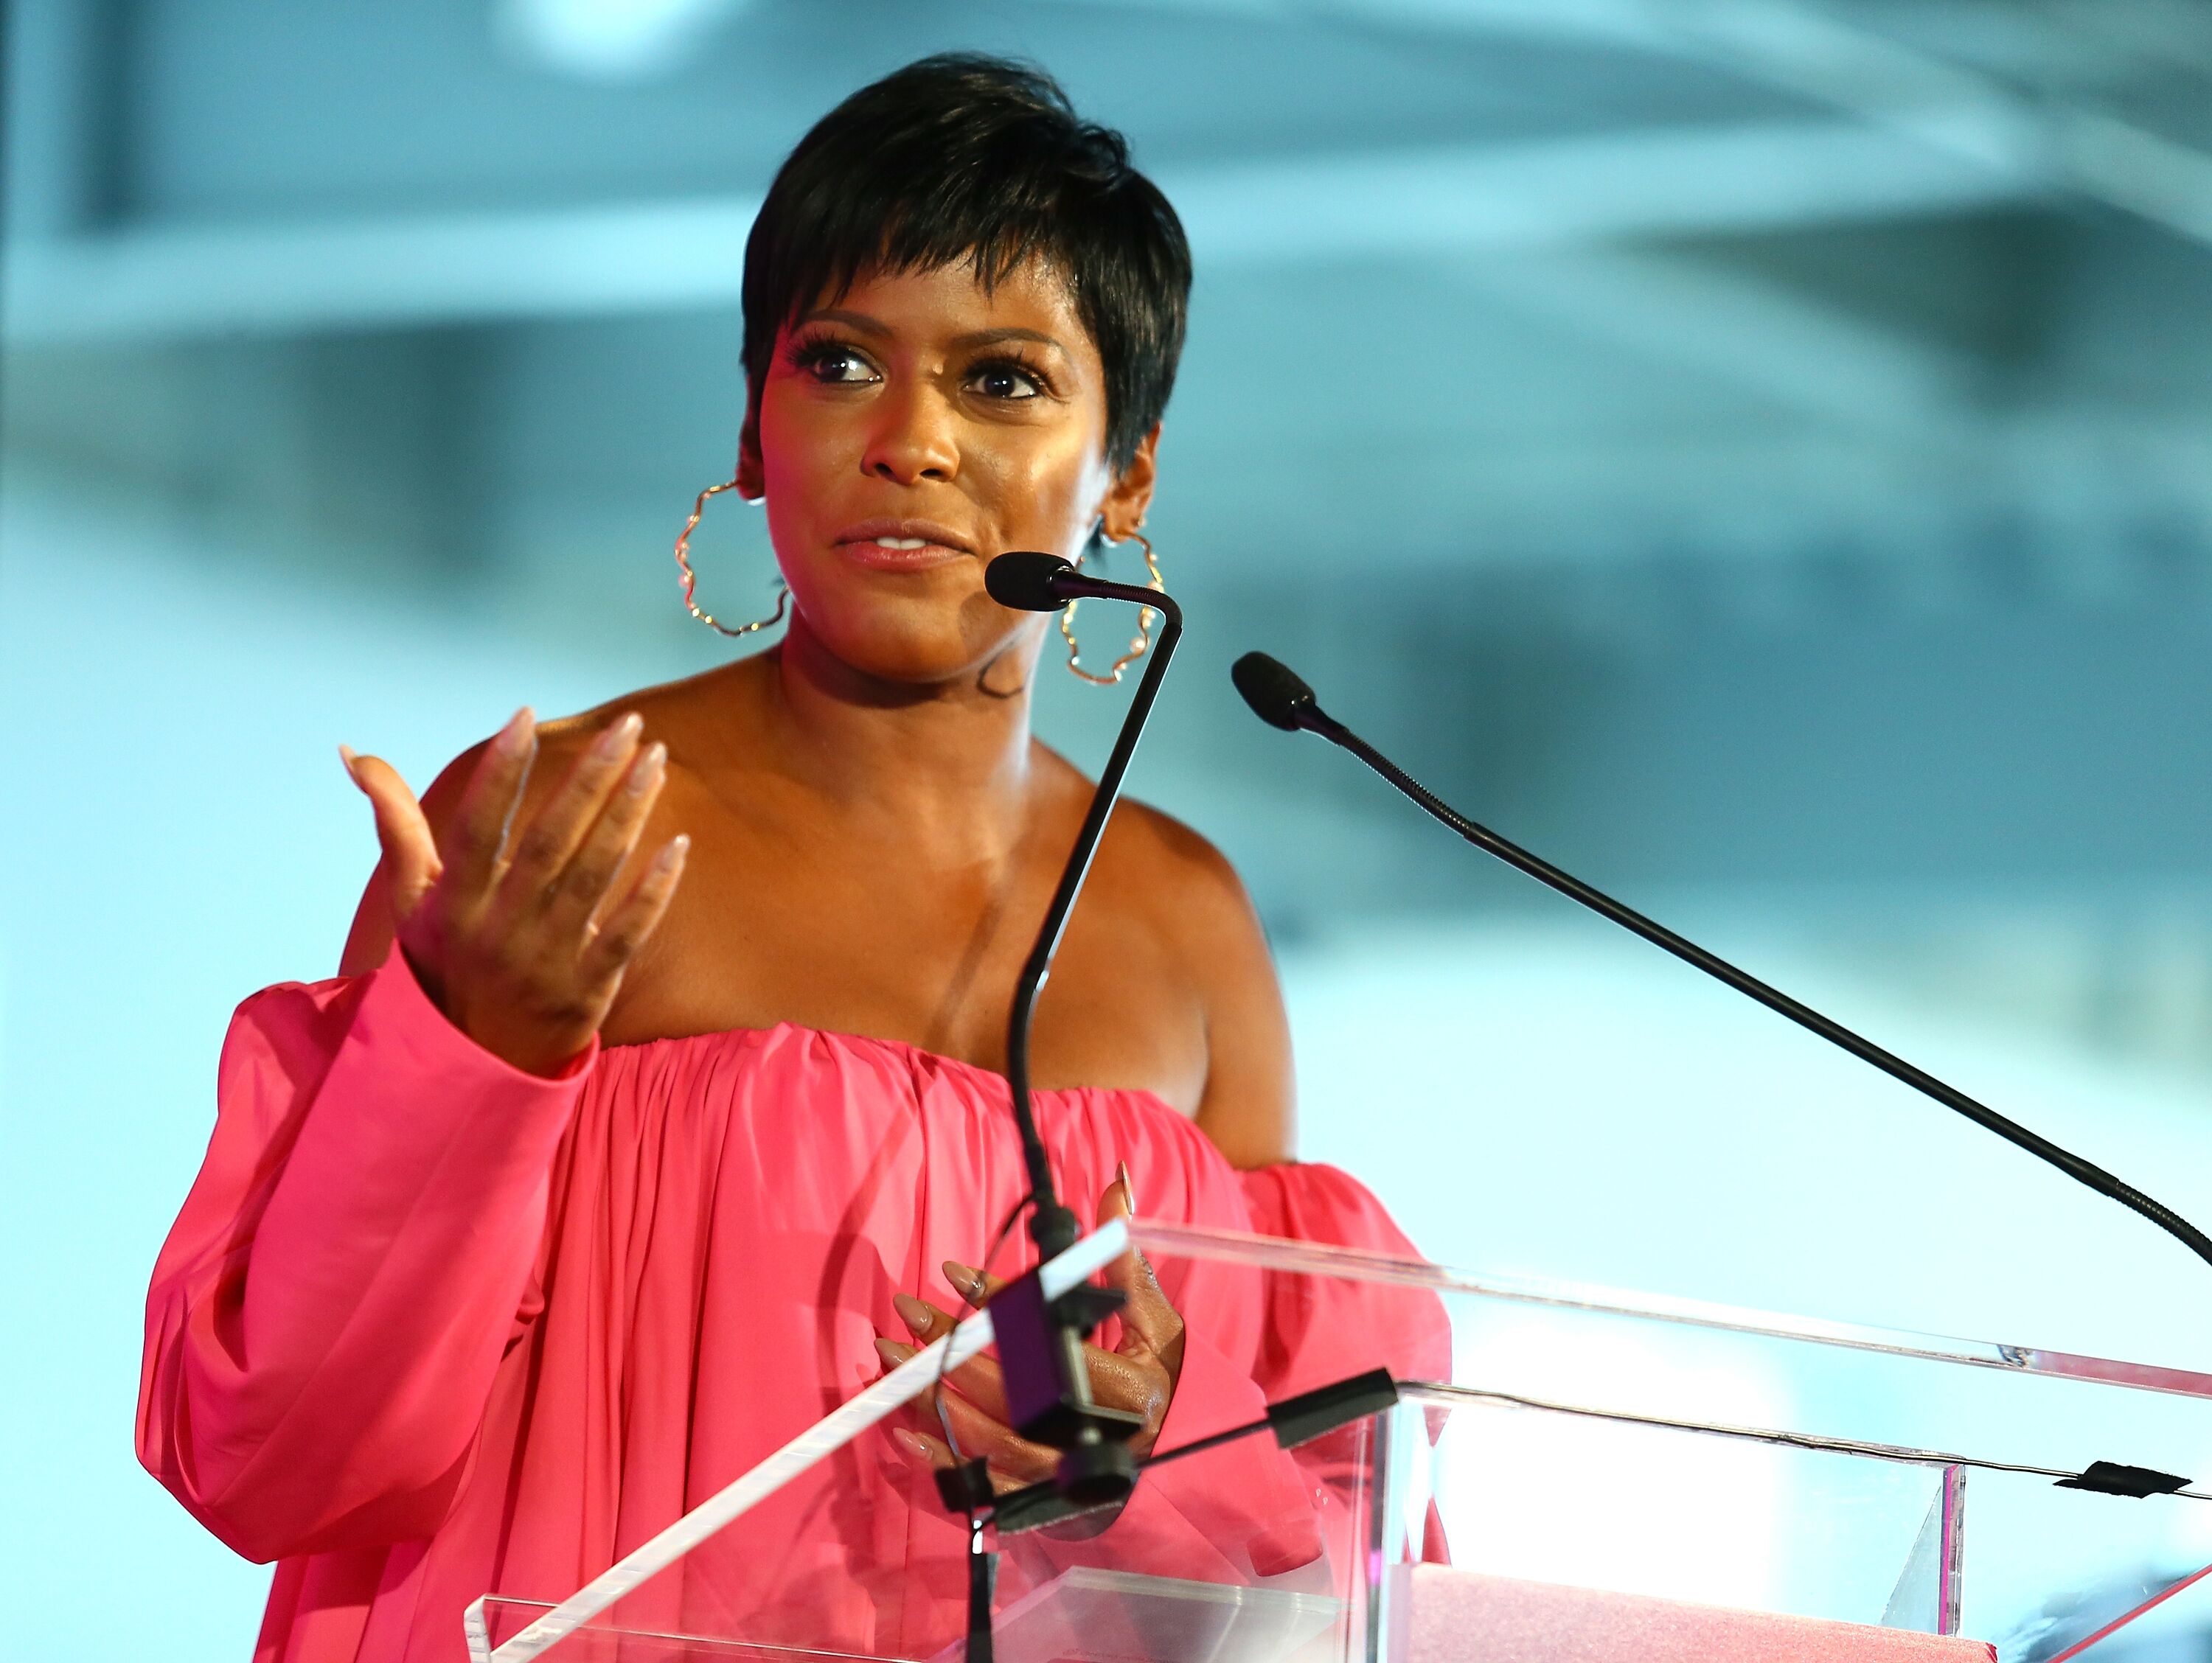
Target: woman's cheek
1043 499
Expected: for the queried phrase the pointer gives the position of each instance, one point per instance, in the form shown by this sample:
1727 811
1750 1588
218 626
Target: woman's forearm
327 1315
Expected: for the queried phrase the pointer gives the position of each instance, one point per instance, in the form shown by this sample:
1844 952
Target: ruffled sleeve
1248 1510
1318 1329
329 1310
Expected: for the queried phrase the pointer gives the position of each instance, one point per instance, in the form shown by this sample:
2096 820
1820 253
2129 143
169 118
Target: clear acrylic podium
1570 1473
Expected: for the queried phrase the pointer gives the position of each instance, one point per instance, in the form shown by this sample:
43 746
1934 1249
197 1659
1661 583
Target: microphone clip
1047 1385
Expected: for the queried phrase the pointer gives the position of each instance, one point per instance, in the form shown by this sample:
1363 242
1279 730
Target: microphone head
1022 579
1274 691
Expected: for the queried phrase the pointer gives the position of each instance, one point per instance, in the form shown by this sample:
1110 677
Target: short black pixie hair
962 156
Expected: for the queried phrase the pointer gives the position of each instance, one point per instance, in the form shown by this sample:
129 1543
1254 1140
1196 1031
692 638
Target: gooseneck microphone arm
1280 699
1045 1376
1045 583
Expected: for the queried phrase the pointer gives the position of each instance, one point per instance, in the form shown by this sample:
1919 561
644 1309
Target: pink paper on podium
1460 1616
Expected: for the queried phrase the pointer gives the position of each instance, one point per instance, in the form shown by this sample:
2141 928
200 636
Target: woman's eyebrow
853 320
863 324
990 337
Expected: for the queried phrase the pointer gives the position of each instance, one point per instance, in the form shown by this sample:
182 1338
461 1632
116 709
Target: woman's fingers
477 835
541 848
582 887
979 1379
925 1450
1007 1450
1148 1319
1130 1379
515 927
975 1424
971 1283
922 1448
411 865
625 929
1139 1376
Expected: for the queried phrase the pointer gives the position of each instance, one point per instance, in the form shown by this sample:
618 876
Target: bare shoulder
1195 899
1195 877
676 714
1168 870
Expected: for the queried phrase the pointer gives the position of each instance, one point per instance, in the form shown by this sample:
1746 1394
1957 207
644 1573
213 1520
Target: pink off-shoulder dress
428 1327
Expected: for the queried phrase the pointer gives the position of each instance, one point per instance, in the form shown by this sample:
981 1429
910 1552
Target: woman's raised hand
514 929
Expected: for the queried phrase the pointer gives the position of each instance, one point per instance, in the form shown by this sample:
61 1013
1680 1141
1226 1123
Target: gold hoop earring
691 579
1139 643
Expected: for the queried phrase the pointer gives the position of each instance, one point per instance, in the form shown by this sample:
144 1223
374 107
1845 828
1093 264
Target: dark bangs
967 158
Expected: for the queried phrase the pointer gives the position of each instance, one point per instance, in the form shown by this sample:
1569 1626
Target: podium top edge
1363 1265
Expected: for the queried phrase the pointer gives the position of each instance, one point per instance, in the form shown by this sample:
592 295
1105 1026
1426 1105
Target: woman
654 1108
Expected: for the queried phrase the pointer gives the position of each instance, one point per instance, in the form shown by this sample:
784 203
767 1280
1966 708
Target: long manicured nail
892 1352
618 735
514 737
966 1278
672 852
912 1444
645 773
1128 1189
912 1313
346 755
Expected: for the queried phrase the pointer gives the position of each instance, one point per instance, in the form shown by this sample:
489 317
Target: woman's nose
912 440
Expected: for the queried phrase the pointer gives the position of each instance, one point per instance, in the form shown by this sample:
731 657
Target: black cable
1295 1420
1211 1441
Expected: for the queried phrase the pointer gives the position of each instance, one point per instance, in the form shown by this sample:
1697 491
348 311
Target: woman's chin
917 653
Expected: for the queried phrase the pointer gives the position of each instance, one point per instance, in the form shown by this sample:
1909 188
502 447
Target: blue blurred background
1759 453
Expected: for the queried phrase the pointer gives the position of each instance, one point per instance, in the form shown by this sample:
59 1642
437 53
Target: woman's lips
901 555
902 545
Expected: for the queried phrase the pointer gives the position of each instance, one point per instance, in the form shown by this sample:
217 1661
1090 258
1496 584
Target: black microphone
1278 695
1031 582
1028 581
1280 698
1040 1341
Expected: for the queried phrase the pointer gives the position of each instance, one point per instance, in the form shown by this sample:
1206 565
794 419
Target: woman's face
910 431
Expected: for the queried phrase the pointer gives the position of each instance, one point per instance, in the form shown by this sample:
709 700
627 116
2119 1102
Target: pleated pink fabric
428 1327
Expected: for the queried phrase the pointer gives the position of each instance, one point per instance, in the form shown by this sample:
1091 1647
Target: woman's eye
1005 381
839 364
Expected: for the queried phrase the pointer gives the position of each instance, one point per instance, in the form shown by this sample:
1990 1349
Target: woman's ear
1131 493
752 484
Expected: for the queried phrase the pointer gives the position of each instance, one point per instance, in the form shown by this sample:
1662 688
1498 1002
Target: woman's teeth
902 542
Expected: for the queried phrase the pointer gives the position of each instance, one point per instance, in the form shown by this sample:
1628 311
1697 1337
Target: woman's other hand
1139 1375
514 929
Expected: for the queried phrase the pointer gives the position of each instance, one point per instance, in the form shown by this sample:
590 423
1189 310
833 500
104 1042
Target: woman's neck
943 768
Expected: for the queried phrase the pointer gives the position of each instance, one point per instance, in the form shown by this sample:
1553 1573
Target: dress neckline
990 1078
